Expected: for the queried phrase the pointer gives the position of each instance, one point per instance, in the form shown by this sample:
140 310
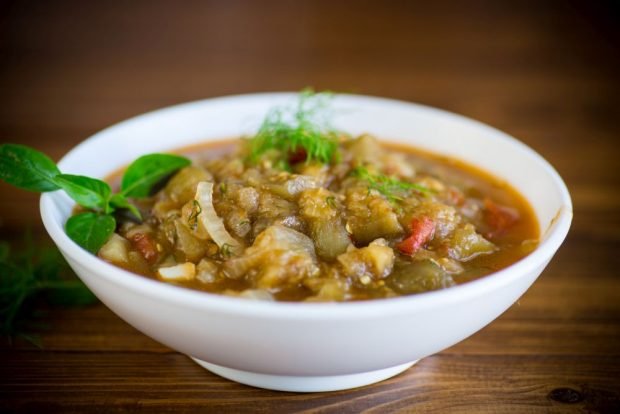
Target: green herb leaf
90 230
392 188
29 272
147 171
331 201
27 168
192 220
120 201
226 250
302 131
87 192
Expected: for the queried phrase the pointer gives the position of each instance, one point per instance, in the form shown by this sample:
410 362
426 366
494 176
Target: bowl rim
375 308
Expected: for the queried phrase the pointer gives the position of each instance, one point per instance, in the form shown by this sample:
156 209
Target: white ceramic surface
312 346
305 383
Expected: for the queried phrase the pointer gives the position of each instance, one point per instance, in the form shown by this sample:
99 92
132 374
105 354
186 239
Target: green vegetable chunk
90 230
27 168
418 277
87 192
147 171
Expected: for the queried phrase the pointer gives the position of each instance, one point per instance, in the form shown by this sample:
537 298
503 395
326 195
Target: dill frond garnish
223 188
299 132
392 188
331 201
192 220
226 250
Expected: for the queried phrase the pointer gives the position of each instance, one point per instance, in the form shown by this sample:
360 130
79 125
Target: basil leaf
87 192
27 168
147 171
120 201
90 230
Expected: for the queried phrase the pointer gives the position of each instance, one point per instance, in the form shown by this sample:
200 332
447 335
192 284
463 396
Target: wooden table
546 73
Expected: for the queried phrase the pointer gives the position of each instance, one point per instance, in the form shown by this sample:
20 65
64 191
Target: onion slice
209 219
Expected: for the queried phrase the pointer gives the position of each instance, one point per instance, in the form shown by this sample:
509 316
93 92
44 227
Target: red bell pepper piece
422 230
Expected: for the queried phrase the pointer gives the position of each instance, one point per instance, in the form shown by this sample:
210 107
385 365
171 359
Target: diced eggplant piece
187 246
329 290
321 211
289 186
370 216
238 222
374 261
247 198
418 276
138 264
314 169
182 186
164 208
396 164
274 210
298 183
279 254
318 204
330 238
366 149
206 271
465 244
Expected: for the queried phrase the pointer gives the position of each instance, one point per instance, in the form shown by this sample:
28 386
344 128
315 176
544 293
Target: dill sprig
35 272
192 220
392 188
226 250
301 128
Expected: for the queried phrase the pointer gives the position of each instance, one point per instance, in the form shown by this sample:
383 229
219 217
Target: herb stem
392 188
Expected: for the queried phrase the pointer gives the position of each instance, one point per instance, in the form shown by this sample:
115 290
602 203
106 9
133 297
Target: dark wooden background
545 72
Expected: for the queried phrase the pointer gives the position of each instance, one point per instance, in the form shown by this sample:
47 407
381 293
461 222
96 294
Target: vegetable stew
377 221
297 212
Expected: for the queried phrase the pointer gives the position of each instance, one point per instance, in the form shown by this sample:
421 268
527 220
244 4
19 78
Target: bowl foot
304 384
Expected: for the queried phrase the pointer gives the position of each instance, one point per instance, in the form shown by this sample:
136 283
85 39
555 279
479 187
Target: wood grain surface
545 72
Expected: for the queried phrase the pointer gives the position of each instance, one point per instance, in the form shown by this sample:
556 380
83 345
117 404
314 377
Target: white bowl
312 346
